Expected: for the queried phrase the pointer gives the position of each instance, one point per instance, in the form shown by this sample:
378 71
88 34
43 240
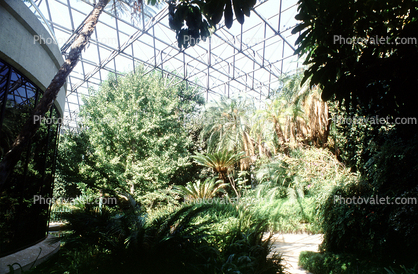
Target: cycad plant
220 162
200 190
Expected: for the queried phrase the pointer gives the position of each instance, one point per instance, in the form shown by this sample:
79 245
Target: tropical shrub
291 189
319 263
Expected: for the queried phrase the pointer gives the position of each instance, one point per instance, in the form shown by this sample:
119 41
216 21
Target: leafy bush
381 231
330 263
238 234
348 227
292 188
134 137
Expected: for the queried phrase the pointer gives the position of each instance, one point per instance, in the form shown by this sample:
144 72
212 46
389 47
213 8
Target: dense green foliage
385 231
137 138
181 241
362 69
292 188
296 163
319 263
134 136
371 79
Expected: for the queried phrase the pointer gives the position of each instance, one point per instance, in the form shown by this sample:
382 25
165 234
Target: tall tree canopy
134 137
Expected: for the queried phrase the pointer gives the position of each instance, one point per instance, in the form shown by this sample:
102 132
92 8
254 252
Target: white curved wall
21 48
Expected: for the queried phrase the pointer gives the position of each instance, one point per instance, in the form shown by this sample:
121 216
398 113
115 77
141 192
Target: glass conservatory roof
246 58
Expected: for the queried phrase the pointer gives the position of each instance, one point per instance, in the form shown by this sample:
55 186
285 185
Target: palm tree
220 162
310 120
315 123
297 114
319 120
276 112
227 125
262 134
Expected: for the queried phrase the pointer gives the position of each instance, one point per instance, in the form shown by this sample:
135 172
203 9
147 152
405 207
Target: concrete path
290 245
29 257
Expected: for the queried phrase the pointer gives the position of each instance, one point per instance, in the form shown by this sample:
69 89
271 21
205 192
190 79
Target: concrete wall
38 61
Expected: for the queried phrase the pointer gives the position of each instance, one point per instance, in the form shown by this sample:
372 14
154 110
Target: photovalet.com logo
39 199
374 40
373 120
224 200
375 200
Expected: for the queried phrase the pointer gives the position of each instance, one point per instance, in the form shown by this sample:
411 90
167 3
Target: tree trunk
279 132
260 148
30 127
249 151
328 124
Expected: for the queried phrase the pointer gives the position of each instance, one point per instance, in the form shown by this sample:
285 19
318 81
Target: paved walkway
290 245
29 257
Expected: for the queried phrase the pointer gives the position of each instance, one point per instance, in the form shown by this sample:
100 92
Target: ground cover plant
292 188
178 241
